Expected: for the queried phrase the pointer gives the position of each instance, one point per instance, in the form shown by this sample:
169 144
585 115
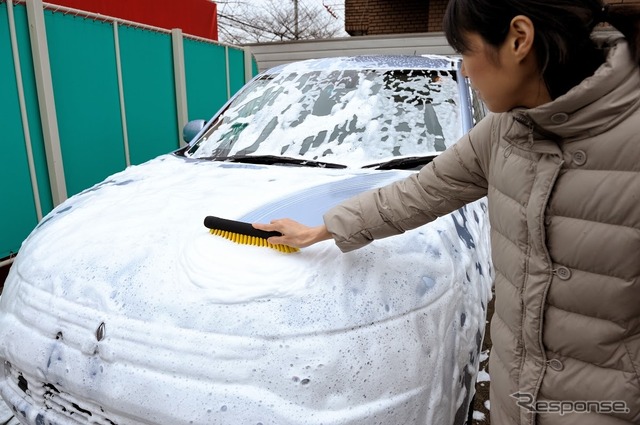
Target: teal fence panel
82 55
254 67
236 69
85 85
149 93
18 213
206 75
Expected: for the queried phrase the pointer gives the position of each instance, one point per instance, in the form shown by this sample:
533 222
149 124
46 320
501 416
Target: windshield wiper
275 159
406 163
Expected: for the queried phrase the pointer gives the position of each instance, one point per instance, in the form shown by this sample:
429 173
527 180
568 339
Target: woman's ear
520 37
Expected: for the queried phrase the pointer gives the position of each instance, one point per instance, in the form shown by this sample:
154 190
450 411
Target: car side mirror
191 130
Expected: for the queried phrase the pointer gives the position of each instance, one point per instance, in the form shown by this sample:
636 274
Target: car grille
49 397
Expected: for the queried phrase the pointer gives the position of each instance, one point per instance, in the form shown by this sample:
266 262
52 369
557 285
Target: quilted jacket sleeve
453 179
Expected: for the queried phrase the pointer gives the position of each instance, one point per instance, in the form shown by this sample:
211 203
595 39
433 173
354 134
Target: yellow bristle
252 240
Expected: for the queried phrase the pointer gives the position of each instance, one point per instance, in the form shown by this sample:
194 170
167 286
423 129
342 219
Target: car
122 308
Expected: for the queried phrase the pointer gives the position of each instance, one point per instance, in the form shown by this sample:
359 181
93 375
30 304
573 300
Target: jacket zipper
528 122
525 120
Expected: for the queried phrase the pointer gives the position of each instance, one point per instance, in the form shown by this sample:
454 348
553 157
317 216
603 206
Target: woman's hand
294 234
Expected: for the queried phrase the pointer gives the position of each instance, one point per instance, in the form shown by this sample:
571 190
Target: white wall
269 55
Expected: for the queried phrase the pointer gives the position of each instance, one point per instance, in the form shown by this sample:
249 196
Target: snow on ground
483 376
478 416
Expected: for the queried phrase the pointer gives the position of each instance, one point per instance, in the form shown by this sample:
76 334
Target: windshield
350 117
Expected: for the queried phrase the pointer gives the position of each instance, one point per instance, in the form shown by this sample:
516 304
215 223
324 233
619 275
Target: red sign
195 17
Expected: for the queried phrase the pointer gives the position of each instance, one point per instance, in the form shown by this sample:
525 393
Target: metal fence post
248 64
123 111
46 100
227 70
179 75
23 111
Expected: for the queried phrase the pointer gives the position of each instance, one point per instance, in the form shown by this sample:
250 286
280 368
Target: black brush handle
238 227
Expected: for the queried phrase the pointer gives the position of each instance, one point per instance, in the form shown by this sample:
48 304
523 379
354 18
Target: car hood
135 246
121 305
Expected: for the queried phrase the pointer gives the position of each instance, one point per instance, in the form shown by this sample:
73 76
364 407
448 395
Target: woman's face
503 80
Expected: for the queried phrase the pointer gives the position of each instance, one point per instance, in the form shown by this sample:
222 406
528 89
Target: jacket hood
595 105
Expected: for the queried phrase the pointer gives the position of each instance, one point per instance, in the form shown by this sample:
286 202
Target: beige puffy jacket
563 184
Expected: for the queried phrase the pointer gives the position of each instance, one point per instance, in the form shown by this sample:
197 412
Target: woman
559 160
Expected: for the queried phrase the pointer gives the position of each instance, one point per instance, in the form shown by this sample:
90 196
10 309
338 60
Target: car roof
431 62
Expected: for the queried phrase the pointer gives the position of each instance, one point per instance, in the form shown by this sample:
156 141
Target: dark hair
563 45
